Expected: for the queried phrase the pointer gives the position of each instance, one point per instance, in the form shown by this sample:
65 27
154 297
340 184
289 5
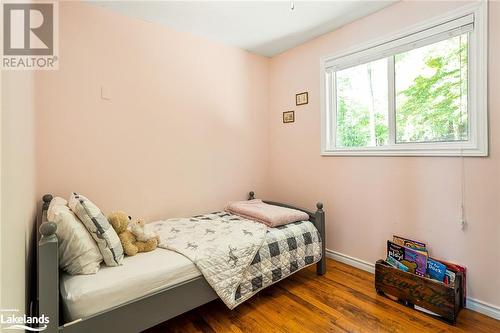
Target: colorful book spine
449 277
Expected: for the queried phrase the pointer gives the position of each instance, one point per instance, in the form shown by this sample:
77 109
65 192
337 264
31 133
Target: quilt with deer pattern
239 257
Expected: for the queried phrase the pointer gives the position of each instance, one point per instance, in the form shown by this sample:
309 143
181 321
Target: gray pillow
97 224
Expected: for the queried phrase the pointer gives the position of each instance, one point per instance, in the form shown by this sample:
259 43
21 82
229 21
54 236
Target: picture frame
302 98
288 117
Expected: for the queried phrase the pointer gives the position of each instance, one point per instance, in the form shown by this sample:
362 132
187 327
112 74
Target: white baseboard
351 261
487 309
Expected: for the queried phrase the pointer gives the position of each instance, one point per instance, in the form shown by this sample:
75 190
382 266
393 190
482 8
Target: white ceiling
263 27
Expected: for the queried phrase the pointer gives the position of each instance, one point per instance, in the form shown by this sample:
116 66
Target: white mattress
140 275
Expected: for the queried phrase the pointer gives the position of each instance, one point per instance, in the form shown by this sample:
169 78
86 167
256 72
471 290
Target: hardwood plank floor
343 300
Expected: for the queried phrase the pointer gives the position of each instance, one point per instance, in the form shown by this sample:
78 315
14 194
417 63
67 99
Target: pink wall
367 199
185 129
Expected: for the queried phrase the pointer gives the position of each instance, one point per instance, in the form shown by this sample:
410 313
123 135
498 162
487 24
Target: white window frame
420 34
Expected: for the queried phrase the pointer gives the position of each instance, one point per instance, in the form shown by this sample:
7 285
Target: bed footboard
317 218
319 222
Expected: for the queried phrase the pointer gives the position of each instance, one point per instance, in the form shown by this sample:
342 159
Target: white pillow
78 252
97 224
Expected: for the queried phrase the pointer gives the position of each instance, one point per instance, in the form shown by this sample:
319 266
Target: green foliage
353 121
352 129
433 108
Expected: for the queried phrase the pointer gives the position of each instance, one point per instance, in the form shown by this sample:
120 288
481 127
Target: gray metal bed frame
138 314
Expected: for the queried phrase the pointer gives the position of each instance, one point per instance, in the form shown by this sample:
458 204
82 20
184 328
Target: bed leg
320 225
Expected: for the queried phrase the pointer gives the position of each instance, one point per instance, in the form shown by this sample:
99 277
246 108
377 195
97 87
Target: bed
151 287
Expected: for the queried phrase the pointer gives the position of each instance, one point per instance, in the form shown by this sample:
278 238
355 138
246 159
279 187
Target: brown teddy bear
131 246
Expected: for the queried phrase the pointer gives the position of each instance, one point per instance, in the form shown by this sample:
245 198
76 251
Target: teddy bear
137 228
131 246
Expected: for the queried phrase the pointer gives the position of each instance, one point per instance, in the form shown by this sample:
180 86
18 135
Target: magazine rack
410 290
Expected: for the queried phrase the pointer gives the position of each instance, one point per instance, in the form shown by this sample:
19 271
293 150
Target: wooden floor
344 300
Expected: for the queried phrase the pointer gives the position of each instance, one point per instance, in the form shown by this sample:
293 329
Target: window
423 92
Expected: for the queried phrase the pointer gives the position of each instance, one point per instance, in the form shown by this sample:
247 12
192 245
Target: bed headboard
48 269
317 218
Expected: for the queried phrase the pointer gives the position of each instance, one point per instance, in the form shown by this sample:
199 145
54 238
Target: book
396 264
412 244
396 251
449 277
436 270
415 261
458 268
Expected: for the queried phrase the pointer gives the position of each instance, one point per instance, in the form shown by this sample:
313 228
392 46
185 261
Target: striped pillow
100 229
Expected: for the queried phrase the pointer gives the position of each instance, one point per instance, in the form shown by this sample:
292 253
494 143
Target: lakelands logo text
30 35
12 320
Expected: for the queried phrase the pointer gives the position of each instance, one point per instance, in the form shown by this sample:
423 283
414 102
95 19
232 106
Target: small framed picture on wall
301 98
288 117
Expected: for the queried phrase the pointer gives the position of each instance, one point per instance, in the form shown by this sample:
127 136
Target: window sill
386 151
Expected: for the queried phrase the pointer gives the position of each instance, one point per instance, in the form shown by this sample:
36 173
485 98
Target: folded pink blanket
270 215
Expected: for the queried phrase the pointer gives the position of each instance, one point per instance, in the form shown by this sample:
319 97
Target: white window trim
477 145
